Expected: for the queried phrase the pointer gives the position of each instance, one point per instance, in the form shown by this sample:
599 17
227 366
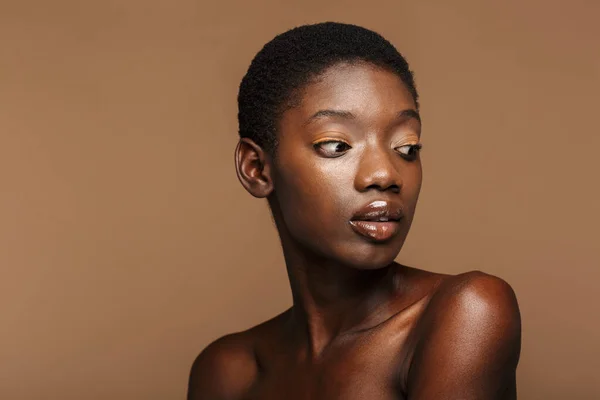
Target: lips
378 221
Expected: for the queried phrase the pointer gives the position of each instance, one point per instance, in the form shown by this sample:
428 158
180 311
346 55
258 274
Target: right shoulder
224 370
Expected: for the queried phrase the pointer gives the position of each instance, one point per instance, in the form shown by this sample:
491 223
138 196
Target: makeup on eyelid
415 142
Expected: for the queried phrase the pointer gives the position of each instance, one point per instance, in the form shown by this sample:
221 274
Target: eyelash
413 148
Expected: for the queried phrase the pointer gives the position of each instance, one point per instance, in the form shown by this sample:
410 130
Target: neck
331 300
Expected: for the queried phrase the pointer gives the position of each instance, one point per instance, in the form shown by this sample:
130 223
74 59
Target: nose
378 169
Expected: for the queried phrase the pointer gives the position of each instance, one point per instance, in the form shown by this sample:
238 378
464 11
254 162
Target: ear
253 168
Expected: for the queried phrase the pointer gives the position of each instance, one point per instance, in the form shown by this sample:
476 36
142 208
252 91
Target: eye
409 151
332 148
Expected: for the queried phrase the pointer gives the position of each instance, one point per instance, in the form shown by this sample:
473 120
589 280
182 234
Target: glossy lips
378 221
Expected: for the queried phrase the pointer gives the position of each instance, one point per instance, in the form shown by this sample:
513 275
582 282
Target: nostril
394 188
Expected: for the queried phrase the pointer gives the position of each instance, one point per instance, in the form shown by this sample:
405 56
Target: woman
329 135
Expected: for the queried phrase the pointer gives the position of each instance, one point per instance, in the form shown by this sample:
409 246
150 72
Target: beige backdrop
127 243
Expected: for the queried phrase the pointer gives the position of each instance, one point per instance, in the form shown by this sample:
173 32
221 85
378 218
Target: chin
372 256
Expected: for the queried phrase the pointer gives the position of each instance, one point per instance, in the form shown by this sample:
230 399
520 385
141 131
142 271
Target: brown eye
332 148
409 152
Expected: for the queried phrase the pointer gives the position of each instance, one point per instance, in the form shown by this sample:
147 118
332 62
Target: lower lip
376 231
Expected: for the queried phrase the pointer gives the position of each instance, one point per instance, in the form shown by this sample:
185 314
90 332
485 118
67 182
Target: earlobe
253 168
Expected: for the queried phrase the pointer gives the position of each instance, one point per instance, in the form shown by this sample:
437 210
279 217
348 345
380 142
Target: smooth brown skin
361 326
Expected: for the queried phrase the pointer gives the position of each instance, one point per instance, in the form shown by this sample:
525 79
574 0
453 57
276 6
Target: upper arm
470 343
224 370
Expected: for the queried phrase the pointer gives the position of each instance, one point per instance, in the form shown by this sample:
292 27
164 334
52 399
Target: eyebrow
402 115
330 113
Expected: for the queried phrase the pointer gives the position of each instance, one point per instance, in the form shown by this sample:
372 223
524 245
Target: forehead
363 89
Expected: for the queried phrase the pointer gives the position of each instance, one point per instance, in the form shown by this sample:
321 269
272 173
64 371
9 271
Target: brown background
127 243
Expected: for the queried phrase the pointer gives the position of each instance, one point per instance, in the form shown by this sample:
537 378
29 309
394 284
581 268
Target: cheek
412 187
310 200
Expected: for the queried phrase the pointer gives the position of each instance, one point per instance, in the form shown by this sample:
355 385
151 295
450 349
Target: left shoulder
478 308
470 336
479 296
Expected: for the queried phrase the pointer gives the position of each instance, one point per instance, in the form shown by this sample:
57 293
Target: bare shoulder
479 298
228 367
475 304
225 369
470 338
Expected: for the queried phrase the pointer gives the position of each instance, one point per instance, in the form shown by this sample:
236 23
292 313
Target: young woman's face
348 156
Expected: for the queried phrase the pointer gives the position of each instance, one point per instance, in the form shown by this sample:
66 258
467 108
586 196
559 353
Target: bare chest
368 368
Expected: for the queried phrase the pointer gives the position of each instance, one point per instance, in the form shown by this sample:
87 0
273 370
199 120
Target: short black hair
289 61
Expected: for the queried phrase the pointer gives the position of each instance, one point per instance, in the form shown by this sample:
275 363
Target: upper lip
379 210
